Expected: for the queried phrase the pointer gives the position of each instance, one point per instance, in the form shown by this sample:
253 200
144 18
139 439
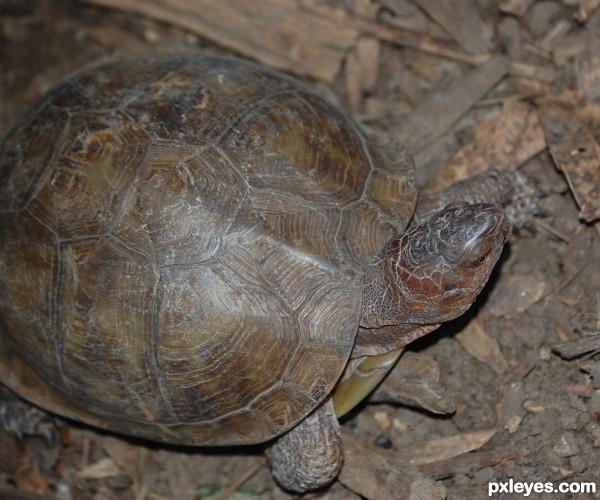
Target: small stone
533 406
513 424
595 402
485 475
383 421
400 426
595 432
545 353
578 464
565 471
567 445
461 479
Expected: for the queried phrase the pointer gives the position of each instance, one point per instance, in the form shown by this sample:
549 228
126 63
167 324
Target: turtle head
435 270
442 264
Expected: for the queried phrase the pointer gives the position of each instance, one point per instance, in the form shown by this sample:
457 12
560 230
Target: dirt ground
491 83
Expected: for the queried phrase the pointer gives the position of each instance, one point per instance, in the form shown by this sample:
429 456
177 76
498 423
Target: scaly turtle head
434 271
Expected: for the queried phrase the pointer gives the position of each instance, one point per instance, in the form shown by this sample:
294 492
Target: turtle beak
499 223
490 223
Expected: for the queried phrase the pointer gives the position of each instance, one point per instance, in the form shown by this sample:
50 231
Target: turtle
199 250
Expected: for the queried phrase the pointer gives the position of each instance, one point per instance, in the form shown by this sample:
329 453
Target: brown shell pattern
183 241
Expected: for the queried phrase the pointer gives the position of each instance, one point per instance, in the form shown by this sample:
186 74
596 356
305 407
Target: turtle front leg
509 188
310 455
361 377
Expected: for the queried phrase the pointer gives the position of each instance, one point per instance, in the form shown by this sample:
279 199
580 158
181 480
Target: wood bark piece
461 19
577 348
424 42
576 153
443 108
374 472
302 36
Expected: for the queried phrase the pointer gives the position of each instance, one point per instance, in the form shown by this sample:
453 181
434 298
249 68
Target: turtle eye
478 260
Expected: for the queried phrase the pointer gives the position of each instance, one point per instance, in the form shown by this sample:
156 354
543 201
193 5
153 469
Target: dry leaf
475 340
576 153
504 142
448 447
374 472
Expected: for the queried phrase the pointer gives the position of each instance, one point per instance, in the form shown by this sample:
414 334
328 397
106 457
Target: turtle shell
183 243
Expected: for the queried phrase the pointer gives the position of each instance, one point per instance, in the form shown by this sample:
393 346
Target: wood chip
576 153
305 37
515 7
10 456
27 479
362 66
476 341
443 108
374 472
424 42
468 28
447 447
581 390
588 74
125 455
554 36
586 10
572 46
102 469
507 141
533 406
530 70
